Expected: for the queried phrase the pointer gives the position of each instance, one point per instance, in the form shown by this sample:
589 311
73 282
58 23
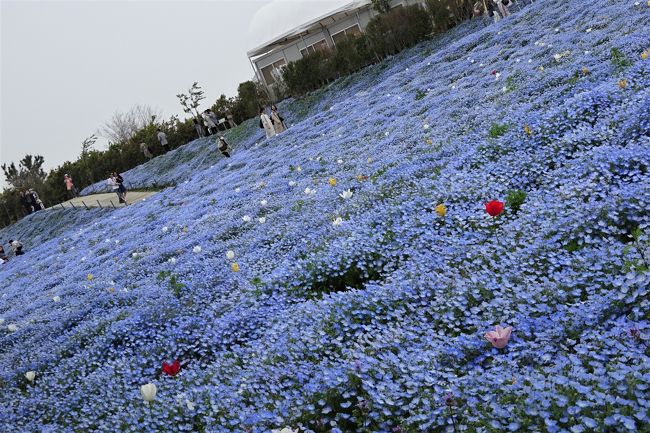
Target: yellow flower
90 277
429 141
332 181
622 83
541 68
361 177
585 70
527 130
185 229
235 267
111 290
441 210
644 55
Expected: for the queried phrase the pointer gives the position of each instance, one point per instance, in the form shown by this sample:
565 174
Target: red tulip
494 72
171 369
494 207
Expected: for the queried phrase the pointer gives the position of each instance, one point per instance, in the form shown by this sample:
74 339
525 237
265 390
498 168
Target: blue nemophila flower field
366 311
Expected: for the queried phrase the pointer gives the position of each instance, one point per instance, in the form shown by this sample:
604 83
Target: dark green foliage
381 6
619 59
497 130
385 35
447 13
515 199
419 94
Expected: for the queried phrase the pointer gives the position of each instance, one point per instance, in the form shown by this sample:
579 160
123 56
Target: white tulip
230 255
262 220
338 221
246 218
165 229
190 404
196 249
12 327
386 133
299 168
307 190
56 299
148 392
264 202
292 183
426 126
346 194
172 260
237 189
134 255
339 161
30 375
2 321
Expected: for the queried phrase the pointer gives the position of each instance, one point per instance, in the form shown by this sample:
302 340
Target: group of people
496 9
116 181
31 201
211 123
273 124
16 248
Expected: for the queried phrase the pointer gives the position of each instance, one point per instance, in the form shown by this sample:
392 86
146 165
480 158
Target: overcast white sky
67 66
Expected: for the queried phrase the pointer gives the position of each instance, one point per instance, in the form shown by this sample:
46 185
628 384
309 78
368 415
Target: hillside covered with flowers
454 240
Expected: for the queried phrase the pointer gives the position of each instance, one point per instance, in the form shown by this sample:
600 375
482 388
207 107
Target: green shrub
497 130
515 199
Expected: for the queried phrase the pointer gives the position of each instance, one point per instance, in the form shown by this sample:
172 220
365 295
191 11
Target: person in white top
266 123
162 137
146 151
212 128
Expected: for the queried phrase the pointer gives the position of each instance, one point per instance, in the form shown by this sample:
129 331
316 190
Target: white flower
369 160
264 202
337 222
505 89
134 255
237 189
429 64
30 375
56 299
299 169
339 161
246 218
148 392
196 249
284 430
310 191
589 29
230 254
165 229
497 76
190 405
12 327
426 126
83 259
2 321
386 133
262 220
172 260
557 57
557 29
292 183
346 194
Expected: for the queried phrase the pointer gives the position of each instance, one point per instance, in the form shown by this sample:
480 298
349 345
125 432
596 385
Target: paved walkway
105 200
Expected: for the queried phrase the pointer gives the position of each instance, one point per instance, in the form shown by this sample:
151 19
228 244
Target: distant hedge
385 35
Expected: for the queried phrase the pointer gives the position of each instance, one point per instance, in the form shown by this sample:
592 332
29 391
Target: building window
271 71
352 31
320 46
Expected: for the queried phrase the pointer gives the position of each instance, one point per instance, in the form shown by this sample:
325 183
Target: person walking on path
231 120
223 146
145 150
38 204
16 247
199 128
162 137
25 202
69 185
209 123
117 185
267 123
278 121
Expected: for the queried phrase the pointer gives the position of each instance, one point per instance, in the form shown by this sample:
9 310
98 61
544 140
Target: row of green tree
125 132
386 34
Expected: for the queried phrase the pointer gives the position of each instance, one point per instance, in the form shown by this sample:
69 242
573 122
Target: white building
320 33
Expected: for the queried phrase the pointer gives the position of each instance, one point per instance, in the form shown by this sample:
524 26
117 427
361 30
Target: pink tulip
499 337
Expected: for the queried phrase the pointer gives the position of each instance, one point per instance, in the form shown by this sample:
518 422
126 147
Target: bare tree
123 126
